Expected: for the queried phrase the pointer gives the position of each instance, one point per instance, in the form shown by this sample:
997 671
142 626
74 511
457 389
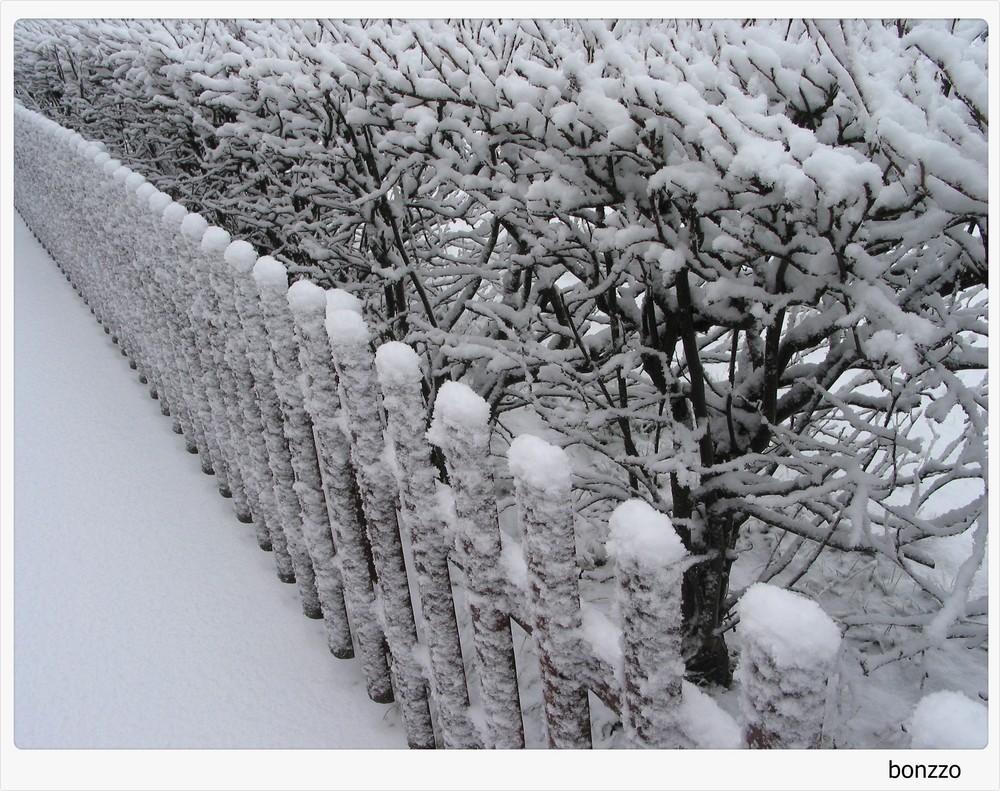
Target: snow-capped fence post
192 226
790 647
167 290
543 490
948 720
349 339
308 303
212 246
460 427
240 256
650 561
205 383
288 518
244 417
272 285
400 380
150 306
212 327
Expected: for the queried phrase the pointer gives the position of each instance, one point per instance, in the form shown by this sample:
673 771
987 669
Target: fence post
308 303
272 285
162 285
177 287
213 334
227 340
400 379
240 256
543 490
349 339
650 561
261 362
789 650
193 227
460 427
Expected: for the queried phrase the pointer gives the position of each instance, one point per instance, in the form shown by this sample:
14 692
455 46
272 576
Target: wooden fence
321 441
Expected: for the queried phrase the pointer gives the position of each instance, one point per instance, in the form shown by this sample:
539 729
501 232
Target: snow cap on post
121 175
948 720
338 299
457 406
640 531
144 192
397 363
305 297
134 181
241 256
158 201
346 327
174 215
109 166
540 464
270 273
215 240
790 647
194 226
794 630
100 157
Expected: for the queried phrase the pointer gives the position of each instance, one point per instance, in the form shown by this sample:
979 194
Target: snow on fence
320 443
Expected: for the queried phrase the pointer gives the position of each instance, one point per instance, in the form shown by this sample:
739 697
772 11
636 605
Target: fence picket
262 364
352 356
206 384
789 649
400 380
322 401
272 286
545 511
461 429
650 563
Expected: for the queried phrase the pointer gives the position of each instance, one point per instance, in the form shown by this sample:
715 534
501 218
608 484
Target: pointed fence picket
326 447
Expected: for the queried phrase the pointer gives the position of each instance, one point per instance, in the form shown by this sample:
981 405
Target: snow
134 181
457 405
241 256
338 299
147 617
346 327
306 296
795 630
705 723
397 363
144 191
540 464
269 271
601 634
215 240
948 720
174 215
640 531
159 201
193 226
